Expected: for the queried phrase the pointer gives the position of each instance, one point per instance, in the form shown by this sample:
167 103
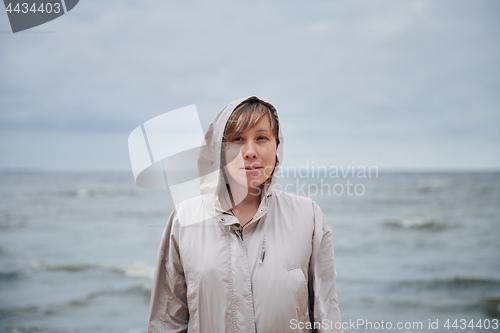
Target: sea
414 251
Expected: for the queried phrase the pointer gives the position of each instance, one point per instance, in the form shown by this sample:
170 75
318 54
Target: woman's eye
238 139
262 138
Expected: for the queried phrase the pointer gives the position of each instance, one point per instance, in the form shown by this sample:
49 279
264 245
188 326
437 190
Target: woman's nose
249 151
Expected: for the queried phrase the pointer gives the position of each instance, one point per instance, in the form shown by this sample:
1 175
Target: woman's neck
242 202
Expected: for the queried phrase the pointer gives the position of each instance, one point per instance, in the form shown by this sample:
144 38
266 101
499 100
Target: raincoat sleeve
324 306
169 309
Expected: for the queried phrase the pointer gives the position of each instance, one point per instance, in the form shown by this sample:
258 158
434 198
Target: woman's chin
252 185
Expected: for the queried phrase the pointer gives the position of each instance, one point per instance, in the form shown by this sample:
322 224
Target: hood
209 160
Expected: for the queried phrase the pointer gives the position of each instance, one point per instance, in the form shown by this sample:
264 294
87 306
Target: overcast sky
391 83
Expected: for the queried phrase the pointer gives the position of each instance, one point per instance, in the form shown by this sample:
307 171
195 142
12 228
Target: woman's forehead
263 125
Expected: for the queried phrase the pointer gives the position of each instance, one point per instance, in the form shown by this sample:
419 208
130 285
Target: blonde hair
246 116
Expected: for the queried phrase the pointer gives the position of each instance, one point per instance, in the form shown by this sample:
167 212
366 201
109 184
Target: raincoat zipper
239 232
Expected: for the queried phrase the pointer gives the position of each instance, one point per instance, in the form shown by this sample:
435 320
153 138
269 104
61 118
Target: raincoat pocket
299 286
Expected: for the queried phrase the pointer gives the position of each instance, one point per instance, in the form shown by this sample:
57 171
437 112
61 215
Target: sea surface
77 251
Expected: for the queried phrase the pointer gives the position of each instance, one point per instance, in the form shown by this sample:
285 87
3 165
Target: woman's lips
252 169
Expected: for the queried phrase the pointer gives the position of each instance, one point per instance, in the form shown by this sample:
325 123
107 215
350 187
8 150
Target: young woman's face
251 157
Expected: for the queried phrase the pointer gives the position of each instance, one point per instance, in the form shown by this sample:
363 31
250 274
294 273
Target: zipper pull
263 251
239 232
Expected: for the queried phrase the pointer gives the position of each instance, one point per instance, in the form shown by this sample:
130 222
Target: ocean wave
16 315
9 276
82 193
455 283
491 306
143 290
434 183
9 312
415 221
463 294
136 270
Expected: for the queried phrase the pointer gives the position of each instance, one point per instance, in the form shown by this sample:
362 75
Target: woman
244 257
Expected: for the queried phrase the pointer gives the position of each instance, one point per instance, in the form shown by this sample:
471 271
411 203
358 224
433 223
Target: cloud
359 70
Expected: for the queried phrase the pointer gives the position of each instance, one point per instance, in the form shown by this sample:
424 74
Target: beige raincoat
275 275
